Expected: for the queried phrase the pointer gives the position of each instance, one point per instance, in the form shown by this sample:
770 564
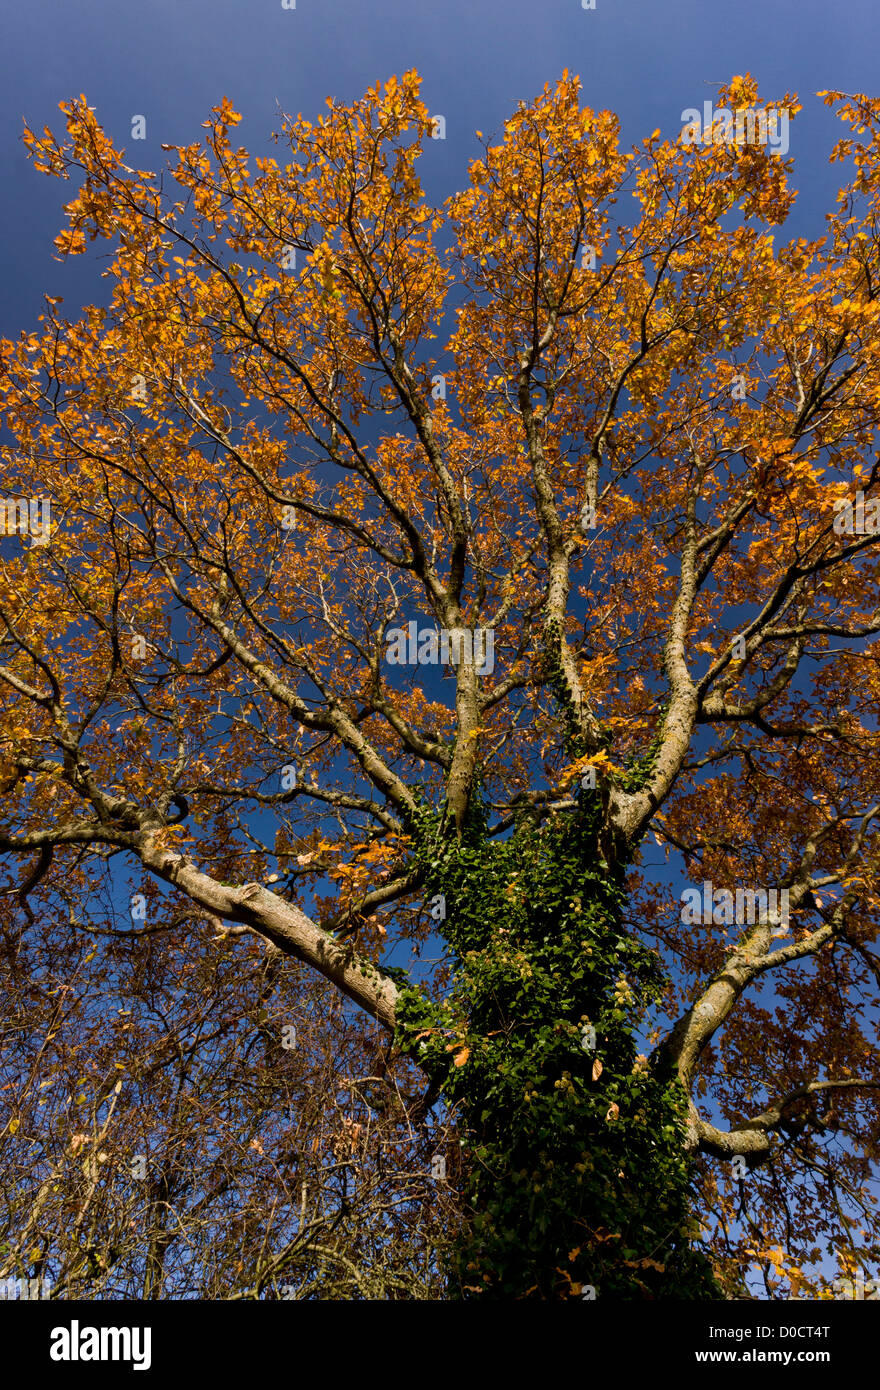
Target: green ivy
575 1170
576 1176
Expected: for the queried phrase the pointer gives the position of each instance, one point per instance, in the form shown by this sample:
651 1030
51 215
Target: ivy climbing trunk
575 1176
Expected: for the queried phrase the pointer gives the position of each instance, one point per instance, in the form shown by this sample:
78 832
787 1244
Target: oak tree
409 577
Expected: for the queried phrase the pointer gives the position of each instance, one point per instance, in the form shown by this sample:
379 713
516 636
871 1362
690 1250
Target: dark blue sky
171 60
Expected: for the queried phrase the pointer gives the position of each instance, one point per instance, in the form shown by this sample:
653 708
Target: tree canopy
594 414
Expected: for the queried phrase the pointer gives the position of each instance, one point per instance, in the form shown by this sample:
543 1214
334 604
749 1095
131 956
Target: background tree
624 464
189 1119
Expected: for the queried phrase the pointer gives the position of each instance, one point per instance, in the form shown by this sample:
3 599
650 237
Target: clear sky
171 60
